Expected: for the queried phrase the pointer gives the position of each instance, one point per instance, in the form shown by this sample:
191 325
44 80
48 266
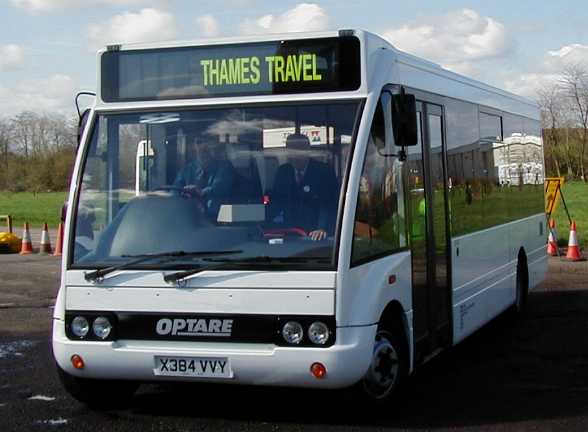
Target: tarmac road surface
530 374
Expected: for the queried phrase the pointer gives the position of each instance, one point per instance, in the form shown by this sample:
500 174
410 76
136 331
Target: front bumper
254 364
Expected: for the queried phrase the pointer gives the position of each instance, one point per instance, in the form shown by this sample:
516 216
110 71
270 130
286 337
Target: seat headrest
297 141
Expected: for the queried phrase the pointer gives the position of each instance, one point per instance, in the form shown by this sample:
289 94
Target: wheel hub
383 372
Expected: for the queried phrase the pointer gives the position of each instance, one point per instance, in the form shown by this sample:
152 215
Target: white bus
317 210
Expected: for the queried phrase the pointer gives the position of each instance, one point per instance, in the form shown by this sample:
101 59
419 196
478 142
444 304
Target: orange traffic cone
45 247
552 240
26 245
59 244
574 253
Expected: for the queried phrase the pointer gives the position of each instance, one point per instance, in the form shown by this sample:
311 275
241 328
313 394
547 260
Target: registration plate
195 367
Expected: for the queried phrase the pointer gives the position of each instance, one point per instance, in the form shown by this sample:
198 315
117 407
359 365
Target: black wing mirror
404 119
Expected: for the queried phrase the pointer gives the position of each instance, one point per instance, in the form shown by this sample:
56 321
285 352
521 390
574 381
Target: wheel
388 368
186 192
169 188
522 288
284 232
98 394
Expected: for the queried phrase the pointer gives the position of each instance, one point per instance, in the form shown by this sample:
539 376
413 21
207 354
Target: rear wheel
522 287
388 368
98 394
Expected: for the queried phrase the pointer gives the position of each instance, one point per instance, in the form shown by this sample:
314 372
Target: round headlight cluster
101 327
318 333
293 333
80 326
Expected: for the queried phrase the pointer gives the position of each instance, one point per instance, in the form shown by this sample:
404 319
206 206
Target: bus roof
404 69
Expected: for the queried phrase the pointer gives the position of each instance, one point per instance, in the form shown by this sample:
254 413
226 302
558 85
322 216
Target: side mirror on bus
82 124
400 122
404 119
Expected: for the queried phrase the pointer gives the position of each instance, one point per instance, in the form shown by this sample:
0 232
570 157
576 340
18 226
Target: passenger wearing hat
305 191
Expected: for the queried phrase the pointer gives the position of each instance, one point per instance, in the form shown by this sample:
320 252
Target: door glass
418 231
417 186
439 295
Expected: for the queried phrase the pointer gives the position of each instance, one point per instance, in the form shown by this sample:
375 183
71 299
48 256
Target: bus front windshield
263 181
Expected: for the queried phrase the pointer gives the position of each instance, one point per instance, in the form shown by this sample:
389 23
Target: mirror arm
82 93
401 155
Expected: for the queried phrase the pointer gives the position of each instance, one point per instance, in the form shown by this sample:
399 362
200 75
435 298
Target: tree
552 118
37 151
574 82
5 137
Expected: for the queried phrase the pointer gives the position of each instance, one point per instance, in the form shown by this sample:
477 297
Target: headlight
292 332
318 333
80 326
102 327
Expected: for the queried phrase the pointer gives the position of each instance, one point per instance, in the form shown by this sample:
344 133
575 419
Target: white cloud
527 84
574 54
456 40
549 70
303 17
52 94
11 56
147 25
207 26
35 6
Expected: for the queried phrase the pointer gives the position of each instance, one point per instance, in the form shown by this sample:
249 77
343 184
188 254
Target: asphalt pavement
527 374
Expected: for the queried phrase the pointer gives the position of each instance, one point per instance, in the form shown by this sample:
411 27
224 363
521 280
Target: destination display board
264 68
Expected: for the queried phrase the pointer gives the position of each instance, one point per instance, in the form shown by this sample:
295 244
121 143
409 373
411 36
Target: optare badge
306 188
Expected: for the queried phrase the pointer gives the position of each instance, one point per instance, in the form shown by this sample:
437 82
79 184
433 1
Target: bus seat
247 185
271 167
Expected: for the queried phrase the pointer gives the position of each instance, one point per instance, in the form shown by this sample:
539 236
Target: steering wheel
284 232
169 188
186 193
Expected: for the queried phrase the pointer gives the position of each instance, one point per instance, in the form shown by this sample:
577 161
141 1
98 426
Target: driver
305 191
210 177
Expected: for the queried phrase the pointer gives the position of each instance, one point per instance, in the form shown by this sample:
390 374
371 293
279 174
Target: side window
490 127
380 226
464 167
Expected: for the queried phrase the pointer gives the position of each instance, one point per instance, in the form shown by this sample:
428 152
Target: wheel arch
395 318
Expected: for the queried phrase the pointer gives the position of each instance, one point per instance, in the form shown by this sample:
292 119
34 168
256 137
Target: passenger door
429 232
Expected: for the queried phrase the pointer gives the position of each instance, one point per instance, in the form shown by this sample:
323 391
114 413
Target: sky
48 47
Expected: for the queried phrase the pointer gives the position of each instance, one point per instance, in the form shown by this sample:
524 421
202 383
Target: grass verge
32 208
46 207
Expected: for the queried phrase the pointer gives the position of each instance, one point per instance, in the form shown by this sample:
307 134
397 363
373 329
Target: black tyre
98 394
519 308
522 288
389 367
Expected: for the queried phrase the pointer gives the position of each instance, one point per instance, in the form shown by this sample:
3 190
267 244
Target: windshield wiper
216 264
96 275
